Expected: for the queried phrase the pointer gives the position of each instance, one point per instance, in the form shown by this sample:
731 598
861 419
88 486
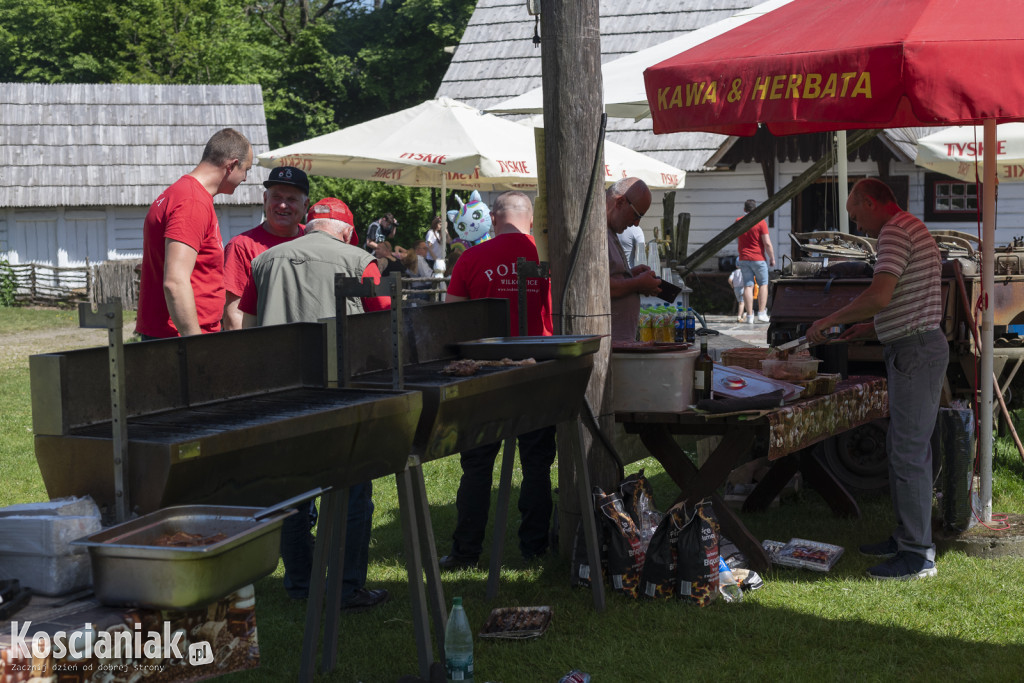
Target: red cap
329 207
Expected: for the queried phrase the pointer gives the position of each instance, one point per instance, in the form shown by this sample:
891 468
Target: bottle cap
457 601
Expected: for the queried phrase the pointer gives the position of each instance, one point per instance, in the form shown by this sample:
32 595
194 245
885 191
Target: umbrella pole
842 179
988 287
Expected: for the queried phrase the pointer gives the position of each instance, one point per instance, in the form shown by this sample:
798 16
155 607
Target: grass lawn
968 622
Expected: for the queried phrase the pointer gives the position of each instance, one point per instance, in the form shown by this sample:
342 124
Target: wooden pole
573 103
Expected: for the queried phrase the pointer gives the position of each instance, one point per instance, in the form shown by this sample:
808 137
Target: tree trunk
573 104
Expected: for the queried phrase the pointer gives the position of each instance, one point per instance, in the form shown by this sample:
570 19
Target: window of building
949 199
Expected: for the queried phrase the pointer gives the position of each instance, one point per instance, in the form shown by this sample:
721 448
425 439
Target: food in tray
516 622
183 539
467 367
796 368
802 553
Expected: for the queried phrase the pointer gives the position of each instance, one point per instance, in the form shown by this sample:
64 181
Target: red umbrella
819 65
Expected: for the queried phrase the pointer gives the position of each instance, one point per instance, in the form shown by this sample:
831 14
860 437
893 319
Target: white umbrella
959 152
442 143
624 93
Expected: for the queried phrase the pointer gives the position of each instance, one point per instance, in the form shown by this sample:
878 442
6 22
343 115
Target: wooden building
81 163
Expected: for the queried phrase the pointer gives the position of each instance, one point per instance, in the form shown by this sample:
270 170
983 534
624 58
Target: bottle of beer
703 370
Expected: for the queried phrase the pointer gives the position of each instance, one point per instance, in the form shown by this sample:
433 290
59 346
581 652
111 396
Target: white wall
714 201
71 237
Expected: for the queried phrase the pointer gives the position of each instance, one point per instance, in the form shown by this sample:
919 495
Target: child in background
736 280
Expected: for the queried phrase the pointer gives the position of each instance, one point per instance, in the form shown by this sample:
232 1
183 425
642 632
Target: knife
802 343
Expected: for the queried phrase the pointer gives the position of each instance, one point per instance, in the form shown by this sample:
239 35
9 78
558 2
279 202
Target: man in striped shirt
904 301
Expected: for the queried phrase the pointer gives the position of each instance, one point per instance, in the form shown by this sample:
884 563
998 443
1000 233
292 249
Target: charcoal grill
204 428
492 405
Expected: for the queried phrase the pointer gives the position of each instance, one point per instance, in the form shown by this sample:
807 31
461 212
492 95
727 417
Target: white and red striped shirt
907 250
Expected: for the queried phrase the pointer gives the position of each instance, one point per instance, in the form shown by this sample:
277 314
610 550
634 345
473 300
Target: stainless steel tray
128 569
539 348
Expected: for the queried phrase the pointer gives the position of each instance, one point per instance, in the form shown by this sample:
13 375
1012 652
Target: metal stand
574 449
108 315
417 531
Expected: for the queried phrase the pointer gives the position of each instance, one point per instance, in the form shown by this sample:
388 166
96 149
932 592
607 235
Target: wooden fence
43 285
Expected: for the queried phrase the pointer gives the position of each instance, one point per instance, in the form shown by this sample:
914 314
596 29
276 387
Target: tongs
803 343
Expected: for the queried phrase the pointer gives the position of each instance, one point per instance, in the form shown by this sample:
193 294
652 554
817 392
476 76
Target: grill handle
291 502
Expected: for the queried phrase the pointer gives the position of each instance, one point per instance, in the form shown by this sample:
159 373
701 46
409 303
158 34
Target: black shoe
363 599
451 563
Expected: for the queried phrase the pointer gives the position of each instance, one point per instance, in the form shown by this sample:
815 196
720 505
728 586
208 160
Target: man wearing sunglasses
626 202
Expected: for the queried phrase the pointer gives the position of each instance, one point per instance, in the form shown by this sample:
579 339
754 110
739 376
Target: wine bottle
703 372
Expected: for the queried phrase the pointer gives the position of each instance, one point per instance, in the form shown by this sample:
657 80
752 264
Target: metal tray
539 348
128 569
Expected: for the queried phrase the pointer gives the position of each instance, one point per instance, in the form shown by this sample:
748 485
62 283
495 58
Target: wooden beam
716 243
573 106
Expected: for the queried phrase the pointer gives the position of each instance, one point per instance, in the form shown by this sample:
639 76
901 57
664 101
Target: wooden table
790 431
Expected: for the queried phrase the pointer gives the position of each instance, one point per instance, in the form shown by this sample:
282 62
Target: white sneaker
762 316
750 319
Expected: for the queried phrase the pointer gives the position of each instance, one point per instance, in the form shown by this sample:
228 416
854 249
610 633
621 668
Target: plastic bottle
679 325
703 371
727 584
458 644
646 325
665 324
691 326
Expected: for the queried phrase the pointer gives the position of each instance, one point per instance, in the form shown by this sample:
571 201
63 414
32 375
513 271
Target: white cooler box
658 382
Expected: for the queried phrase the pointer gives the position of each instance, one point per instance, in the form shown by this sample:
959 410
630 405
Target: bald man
626 202
488 270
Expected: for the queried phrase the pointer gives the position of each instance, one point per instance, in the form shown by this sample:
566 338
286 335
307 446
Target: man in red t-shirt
754 246
284 207
181 291
489 270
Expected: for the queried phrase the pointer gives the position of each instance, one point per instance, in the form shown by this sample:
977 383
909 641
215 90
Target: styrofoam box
653 382
35 544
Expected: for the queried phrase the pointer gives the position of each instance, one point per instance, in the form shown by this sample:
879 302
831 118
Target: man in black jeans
476 276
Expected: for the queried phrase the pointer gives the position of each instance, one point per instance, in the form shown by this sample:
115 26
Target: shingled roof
117 144
496 60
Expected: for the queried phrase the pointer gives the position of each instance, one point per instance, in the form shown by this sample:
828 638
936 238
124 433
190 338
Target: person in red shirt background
755 247
181 289
284 208
489 270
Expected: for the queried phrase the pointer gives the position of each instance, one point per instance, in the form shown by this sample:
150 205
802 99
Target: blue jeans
473 501
915 366
297 544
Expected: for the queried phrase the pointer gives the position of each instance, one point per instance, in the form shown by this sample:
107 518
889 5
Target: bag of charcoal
697 548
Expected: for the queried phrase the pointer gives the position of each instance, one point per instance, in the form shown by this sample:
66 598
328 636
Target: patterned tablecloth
855 401
212 641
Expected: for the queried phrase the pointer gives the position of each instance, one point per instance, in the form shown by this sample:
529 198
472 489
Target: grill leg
414 568
331 506
575 452
335 574
429 549
508 460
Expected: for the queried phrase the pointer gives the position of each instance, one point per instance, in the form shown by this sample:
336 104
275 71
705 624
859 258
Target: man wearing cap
381 229
284 207
294 282
181 290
